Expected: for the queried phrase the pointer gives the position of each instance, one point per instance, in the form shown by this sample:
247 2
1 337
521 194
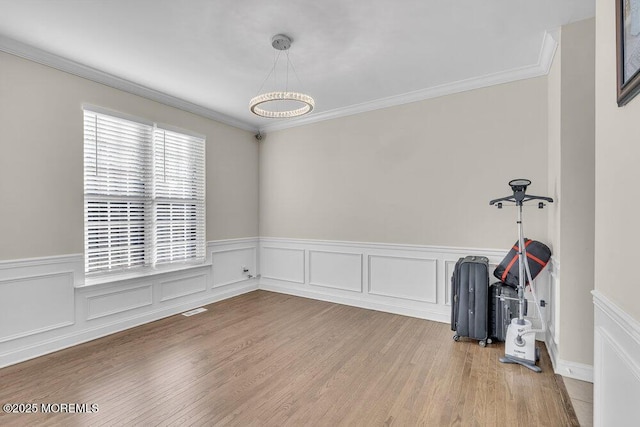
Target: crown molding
40 56
540 68
550 44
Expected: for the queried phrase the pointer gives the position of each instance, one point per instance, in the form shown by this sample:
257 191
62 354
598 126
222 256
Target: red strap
526 244
536 259
506 270
515 258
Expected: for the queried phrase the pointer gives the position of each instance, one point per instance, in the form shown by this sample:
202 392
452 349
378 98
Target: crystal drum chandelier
303 102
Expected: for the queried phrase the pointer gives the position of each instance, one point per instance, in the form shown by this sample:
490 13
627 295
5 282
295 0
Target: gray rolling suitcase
470 299
502 311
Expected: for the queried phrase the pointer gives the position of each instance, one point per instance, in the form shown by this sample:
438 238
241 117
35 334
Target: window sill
108 278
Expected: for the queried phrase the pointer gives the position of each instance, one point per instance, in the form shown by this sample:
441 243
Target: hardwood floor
271 359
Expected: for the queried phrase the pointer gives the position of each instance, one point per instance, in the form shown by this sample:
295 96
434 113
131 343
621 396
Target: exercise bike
519 346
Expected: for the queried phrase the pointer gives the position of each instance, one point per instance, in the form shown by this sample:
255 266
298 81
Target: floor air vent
194 311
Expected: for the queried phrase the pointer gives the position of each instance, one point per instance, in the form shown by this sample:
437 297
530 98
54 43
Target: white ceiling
350 55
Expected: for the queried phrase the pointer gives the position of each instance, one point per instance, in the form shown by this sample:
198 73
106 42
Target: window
144 190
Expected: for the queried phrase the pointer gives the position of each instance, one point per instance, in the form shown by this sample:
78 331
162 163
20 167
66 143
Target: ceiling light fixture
304 104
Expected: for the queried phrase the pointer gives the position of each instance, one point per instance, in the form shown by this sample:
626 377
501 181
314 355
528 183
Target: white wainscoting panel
339 270
227 265
553 308
118 301
449 266
552 336
183 286
45 304
51 296
283 263
403 277
616 388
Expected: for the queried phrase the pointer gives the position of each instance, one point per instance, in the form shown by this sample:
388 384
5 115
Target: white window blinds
144 194
178 205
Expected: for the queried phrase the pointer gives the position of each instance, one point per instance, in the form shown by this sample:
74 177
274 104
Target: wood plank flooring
271 359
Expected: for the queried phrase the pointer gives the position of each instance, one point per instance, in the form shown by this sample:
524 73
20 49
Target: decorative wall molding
449 266
413 275
70 260
47 311
336 269
111 302
494 255
553 312
229 264
540 68
230 243
412 280
283 263
29 267
40 56
71 337
50 295
183 285
616 389
623 320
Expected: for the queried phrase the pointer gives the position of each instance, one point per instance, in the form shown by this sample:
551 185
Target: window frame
144 156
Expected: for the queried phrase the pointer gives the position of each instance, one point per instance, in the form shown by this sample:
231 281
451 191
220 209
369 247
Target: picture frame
628 49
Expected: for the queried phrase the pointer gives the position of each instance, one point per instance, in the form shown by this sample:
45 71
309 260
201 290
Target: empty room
319 212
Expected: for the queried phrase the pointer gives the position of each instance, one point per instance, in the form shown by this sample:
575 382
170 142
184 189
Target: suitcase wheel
456 337
482 343
489 340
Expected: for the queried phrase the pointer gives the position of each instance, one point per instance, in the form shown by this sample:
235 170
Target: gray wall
420 173
617 175
554 132
572 170
41 160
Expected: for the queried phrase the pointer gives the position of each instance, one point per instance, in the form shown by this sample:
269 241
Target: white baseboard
282 288
616 390
566 368
575 370
552 348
